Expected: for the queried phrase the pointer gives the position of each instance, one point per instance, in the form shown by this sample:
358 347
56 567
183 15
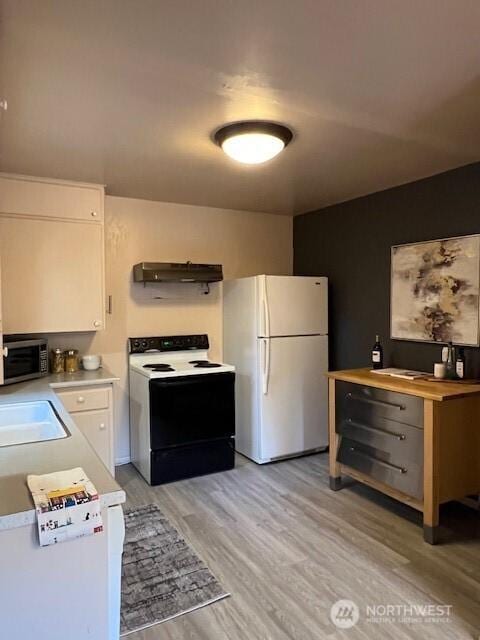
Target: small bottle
444 355
450 363
460 364
377 354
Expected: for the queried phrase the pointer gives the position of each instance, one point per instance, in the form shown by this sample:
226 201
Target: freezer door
292 306
293 395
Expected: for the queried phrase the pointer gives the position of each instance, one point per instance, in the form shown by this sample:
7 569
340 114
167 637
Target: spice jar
57 361
71 360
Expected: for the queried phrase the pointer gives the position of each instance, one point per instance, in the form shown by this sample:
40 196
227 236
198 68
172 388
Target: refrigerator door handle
266 310
266 365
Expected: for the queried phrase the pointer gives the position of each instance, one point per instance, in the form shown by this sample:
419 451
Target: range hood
176 272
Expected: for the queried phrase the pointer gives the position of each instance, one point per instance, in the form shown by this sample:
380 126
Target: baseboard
120 461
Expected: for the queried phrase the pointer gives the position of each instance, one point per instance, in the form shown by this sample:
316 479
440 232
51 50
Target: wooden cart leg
431 480
334 440
430 534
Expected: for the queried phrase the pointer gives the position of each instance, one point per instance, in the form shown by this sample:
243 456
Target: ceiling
128 92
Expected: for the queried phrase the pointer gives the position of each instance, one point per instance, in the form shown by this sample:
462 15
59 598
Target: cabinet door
50 199
97 428
52 275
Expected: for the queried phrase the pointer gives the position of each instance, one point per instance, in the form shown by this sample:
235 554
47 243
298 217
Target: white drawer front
85 399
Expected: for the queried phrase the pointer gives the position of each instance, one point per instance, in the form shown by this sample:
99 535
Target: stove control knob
136 344
144 344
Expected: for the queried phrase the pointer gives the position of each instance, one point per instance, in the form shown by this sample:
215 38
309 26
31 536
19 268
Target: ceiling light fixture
253 141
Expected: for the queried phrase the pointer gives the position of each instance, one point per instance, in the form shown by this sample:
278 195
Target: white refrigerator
276 335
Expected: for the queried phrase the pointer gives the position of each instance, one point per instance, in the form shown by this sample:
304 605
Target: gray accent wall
350 243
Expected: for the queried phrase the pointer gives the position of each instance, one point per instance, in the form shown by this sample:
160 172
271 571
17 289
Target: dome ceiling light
253 141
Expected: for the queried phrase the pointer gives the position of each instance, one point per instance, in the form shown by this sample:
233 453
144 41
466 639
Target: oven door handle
182 381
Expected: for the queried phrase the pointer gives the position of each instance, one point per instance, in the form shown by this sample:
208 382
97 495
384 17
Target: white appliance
276 335
182 408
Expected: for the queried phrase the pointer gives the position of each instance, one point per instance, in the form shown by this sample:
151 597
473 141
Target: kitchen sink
24 422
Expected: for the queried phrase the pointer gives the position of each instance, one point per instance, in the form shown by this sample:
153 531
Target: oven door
192 408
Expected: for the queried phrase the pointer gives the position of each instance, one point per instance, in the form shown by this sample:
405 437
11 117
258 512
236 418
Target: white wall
138 230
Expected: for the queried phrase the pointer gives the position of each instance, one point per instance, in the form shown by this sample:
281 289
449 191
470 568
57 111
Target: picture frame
435 291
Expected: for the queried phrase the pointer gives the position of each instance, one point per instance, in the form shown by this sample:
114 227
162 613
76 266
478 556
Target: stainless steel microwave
24 360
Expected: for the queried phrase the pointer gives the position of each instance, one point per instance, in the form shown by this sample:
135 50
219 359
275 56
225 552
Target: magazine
405 374
67 506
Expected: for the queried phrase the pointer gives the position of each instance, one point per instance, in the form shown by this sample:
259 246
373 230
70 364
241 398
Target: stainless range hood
176 272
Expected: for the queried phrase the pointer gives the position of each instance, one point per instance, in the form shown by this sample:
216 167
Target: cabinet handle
381 463
94 214
80 399
102 426
97 323
367 427
379 403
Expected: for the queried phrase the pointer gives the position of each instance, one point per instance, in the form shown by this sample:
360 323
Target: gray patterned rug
162 577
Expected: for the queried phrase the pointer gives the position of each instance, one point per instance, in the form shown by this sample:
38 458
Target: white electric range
182 408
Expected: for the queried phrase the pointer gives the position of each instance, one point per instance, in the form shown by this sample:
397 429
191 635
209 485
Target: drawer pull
80 399
381 463
379 403
359 425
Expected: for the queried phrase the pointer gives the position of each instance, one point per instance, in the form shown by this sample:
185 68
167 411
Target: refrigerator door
293 395
292 306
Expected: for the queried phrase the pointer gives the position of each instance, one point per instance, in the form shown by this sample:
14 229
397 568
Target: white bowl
91 362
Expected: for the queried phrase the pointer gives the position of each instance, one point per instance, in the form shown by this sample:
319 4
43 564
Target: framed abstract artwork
435 291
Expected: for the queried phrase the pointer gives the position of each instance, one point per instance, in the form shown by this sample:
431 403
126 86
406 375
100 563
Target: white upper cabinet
52 257
24 195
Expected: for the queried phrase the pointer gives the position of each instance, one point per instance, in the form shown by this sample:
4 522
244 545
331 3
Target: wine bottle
377 354
460 364
450 364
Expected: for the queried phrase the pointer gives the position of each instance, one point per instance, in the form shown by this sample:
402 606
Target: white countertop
80 378
17 461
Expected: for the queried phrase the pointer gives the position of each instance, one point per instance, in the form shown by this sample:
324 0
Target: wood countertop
429 390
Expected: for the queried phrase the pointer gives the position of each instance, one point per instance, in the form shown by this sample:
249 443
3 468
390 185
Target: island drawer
390 468
402 441
85 399
365 404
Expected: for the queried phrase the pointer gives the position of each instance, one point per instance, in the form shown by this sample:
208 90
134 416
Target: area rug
162 577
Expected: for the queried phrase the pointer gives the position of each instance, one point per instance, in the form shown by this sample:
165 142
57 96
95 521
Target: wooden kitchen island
416 441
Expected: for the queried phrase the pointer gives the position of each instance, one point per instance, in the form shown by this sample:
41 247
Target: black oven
24 360
192 425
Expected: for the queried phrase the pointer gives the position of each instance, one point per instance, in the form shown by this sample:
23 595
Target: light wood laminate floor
287 548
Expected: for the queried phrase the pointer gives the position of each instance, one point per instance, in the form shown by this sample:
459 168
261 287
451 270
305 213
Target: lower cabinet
91 408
